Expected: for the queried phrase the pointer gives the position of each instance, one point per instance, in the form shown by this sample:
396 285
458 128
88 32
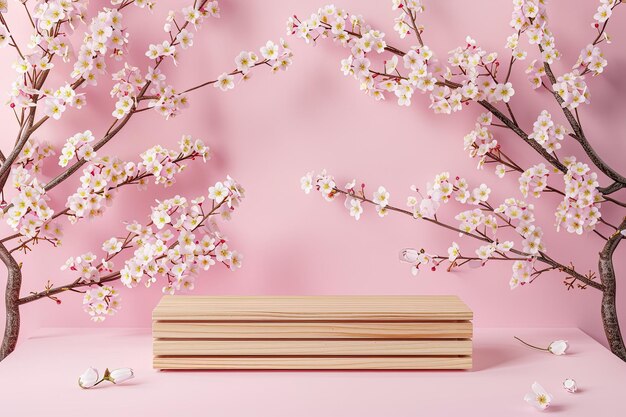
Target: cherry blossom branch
414 25
512 124
508 122
114 276
409 213
130 181
579 135
542 257
14 44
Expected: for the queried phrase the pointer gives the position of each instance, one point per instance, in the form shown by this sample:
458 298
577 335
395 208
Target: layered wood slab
312 332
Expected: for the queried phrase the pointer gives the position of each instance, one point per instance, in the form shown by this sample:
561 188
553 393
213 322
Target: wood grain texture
313 308
308 330
312 332
312 347
319 363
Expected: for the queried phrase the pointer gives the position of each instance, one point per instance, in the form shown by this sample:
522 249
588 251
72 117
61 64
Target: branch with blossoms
482 222
473 75
25 192
186 240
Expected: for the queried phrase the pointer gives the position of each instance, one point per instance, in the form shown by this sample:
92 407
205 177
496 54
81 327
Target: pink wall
272 130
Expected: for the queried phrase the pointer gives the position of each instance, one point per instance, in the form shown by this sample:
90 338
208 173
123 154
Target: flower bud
409 255
558 347
89 378
570 385
120 375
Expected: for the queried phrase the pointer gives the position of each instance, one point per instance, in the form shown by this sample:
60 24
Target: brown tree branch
11 297
609 308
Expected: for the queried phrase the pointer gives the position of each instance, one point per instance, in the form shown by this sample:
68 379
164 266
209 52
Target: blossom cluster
535 72
276 55
592 59
604 11
29 213
572 89
422 70
33 154
194 15
534 179
102 176
55 21
106 35
180 239
530 17
408 10
178 249
78 146
128 83
480 141
580 209
101 302
547 133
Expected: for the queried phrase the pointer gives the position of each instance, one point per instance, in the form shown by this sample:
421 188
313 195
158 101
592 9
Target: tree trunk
609 310
12 296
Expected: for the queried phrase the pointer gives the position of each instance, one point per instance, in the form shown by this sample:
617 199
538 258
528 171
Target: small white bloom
381 197
453 252
558 347
539 397
500 170
218 192
270 50
225 82
570 385
355 208
89 378
409 255
120 375
306 183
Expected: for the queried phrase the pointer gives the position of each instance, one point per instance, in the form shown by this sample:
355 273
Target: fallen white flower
558 347
539 397
570 385
120 375
89 378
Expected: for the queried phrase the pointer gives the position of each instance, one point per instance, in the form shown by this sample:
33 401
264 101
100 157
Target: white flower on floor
89 378
570 385
120 375
539 397
558 347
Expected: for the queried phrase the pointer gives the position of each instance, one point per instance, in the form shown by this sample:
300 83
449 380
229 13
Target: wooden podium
312 332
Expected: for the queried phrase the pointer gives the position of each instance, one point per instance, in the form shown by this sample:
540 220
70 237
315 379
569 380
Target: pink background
272 130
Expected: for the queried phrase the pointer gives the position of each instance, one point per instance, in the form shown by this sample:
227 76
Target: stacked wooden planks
312 332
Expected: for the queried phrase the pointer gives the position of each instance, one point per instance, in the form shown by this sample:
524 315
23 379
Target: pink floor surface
40 378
